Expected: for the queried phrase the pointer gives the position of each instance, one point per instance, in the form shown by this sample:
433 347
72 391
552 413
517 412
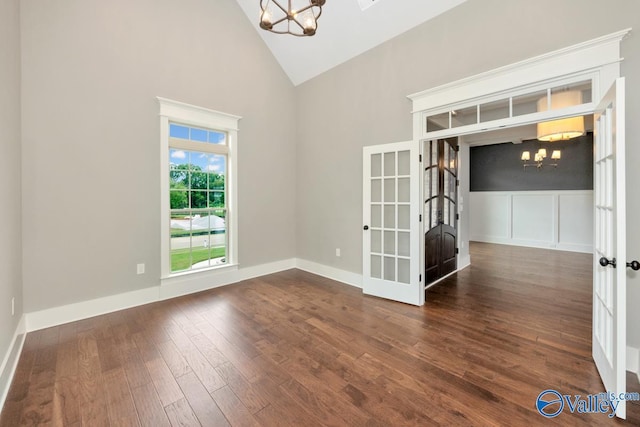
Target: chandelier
298 18
539 157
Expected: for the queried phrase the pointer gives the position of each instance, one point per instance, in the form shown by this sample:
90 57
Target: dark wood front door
441 208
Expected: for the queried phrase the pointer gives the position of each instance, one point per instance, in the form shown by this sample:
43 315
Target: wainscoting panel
532 217
576 218
490 215
542 219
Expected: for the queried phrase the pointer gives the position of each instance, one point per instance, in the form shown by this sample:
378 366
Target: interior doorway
440 208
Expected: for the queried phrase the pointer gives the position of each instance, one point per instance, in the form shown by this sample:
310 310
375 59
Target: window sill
200 273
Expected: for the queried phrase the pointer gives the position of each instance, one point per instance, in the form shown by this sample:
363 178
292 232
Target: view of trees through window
197 200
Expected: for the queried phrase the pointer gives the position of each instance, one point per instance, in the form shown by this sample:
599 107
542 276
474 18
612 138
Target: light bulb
266 17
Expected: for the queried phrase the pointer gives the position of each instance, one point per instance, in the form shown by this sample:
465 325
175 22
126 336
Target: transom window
530 103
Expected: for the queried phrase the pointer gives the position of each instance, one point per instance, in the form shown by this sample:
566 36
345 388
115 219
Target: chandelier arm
311 6
286 12
298 24
304 9
277 22
287 32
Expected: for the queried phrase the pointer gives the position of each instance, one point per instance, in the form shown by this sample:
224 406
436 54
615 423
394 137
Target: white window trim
174 111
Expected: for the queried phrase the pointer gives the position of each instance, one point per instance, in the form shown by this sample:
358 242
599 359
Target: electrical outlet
140 268
13 306
337 252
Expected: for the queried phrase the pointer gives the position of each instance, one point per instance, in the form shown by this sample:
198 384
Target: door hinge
420 218
420 279
457 183
420 158
457 251
457 217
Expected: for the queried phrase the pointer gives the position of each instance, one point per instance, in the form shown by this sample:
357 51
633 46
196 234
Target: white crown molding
582 57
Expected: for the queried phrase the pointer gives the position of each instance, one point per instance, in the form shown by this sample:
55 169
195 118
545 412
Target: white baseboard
569 247
177 286
189 284
82 310
10 360
347 277
633 360
464 262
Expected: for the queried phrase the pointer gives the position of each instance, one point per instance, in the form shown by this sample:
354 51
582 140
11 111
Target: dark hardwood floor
297 349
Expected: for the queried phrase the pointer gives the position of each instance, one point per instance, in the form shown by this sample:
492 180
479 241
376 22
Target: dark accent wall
499 168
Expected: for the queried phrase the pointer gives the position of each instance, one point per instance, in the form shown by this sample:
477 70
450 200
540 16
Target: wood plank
165 384
121 408
92 399
148 406
233 409
66 398
38 407
202 404
180 414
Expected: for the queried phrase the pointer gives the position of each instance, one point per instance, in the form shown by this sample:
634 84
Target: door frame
598 60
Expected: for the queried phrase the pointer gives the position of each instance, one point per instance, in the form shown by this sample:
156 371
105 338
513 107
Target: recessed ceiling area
345 30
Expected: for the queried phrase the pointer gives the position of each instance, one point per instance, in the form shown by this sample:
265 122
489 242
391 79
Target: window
493 110
198 188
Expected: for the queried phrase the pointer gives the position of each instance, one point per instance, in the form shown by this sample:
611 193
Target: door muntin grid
604 243
390 249
440 198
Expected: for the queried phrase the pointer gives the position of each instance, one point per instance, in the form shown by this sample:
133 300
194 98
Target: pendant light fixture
298 17
563 129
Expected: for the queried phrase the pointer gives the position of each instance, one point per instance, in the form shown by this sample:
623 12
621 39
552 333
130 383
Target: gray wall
362 102
91 143
499 168
10 219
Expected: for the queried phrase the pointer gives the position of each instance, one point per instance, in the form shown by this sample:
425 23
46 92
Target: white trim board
10 360
589 55
633 360
178 286
343 276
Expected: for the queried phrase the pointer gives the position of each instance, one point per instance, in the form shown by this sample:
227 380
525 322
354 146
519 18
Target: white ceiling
344 31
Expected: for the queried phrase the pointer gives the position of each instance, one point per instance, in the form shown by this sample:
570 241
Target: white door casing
609 274
391 208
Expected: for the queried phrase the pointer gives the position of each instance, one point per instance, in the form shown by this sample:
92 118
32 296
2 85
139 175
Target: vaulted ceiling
344 31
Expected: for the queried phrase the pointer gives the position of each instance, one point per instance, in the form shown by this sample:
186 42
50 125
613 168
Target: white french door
391 209
609 275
